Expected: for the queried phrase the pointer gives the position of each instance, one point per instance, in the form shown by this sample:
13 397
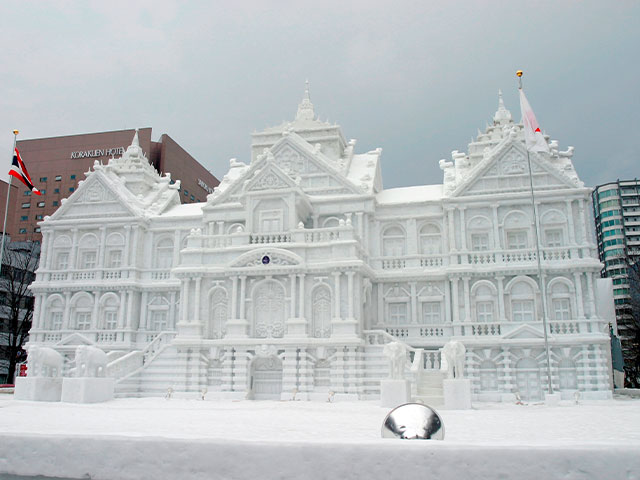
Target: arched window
484 299
56 312
114 249
488 376
393 242
331 222
430 239
82 308
109 312
561 301
269 309
479 231
61 248
517 230
158 313
164 253
88 252
554 226
321 312
522 302
218 316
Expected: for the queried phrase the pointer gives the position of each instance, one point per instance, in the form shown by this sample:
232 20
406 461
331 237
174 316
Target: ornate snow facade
288 281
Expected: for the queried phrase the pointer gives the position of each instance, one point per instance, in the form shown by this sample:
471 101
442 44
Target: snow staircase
429 388
424 372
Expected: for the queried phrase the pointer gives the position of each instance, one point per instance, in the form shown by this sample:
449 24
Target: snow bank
182 438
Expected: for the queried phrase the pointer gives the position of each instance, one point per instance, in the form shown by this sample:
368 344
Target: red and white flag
533 137
19 170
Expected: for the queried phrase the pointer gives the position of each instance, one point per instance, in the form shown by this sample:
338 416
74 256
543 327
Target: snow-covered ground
189 438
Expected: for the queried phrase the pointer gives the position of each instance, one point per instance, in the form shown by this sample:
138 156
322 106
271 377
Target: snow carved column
95 321
127 242
455 299
66 323
577 277
501 310
591 298
292 281
350 294
414 303
243 294
301 299
336 305
467 309
74 250
196 301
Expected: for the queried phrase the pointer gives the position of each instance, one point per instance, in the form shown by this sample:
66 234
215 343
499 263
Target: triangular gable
95 195
317 173
524 331
506 170
270 177
73 340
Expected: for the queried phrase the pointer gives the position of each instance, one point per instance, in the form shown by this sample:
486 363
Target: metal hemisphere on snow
413 421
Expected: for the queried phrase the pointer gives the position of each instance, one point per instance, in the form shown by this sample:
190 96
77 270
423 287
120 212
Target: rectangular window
479 242
56 190
73 177
110 320
561 308
270 221
83 321
431 313
55 203
58 178
71 189
43 179
42 192
36 230
159 320
88 260
115 258
41 204
56 320
26 205
192 198
517 240
62 260
186 193
27 192
24 218
23 230
39 217
522 310
397 313
553 237
484 311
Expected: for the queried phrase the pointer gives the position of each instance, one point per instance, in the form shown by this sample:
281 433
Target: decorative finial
500 100
305 108
135 142
16 132
519 73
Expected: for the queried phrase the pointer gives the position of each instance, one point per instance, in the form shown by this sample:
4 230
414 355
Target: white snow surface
417 194
191 438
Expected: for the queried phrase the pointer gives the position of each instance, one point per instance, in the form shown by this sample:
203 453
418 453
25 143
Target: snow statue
454 356
43 382
90 362
397 355
44 362
89 383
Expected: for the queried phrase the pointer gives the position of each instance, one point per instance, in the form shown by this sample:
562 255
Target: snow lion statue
397 355
90 362
454 352
43 362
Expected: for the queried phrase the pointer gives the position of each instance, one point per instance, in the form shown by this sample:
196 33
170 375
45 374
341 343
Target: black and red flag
19 170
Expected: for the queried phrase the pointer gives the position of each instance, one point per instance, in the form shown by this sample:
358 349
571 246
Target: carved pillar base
344 328
296 327
189 330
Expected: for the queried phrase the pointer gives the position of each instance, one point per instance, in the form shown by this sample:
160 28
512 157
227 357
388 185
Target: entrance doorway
267 378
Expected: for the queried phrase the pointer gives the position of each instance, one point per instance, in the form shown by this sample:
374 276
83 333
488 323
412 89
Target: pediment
264 258
524 331
74 339
271 177
507 170
94 196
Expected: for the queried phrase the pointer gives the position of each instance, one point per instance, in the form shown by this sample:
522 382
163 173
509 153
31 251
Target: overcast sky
415 78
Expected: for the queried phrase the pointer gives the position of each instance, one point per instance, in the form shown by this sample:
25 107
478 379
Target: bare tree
19 263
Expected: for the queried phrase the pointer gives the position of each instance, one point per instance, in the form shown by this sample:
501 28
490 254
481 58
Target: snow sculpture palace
300 267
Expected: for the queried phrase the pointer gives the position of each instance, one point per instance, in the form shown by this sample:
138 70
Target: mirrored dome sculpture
413 421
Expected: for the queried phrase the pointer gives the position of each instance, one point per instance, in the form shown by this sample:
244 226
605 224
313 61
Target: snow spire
305 108
503 115
135 142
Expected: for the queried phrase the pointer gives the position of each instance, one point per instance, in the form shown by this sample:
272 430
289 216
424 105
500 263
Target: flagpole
6 207
543 289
